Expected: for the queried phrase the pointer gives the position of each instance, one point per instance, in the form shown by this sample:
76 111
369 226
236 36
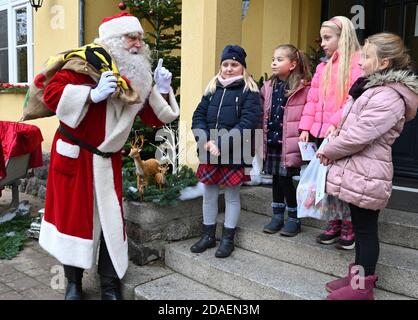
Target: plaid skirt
272 165
210 174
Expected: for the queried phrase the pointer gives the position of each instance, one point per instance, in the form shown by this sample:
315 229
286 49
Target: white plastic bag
312 200
309 194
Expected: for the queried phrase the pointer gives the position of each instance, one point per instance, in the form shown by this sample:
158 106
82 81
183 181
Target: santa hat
118 25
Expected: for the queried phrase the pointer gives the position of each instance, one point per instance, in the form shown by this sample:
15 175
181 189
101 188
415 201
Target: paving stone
22 284
41 293
12 295
4 288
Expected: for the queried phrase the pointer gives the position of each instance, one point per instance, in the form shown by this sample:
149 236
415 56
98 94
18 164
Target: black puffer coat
228 108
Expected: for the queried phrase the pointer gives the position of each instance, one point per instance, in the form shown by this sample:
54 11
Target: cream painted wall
270 23
56 28
95 11
207 26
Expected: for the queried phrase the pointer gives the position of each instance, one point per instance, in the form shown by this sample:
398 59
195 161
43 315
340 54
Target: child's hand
212 148
331 131
322 158
304 137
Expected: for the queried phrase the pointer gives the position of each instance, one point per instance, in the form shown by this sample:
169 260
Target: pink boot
339 283
350 293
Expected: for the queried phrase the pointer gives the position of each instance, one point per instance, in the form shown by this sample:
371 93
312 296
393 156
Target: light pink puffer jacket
291 157
318 113
363 171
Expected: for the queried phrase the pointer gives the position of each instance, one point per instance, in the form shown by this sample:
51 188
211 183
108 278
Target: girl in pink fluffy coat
361 153
329 92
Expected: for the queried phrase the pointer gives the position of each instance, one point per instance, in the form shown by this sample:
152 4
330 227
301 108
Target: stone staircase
265 267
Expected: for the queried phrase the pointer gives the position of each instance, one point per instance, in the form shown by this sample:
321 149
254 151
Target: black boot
293 225
208 239
277 220
109 280
110 288
227 243
74 276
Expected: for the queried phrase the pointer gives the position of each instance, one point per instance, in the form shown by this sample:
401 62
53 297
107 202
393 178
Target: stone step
397 267
177 287
251 276
137 276
395 227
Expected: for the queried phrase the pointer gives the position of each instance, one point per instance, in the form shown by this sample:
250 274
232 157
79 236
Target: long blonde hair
302 70
250 84
392 47
348 45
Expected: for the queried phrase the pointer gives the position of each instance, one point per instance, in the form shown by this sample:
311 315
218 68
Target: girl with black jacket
224 124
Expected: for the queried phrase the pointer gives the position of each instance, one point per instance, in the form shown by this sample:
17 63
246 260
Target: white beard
135 67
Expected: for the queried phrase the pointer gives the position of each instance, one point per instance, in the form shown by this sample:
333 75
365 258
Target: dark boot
227 243
208 239
277 219
110 288
293 224
109 280
74 277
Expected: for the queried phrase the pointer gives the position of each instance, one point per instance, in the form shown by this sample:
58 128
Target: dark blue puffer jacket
228 108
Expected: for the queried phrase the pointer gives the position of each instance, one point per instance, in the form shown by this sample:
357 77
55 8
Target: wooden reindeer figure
144 169
160 177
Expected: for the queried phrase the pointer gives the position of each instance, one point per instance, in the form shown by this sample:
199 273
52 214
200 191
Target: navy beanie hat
234 53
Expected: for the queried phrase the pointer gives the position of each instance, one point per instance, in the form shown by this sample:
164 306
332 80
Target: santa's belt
84 145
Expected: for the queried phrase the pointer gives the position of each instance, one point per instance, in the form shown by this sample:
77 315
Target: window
16 45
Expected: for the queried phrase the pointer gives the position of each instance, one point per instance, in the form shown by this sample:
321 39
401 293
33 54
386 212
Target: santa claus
83 209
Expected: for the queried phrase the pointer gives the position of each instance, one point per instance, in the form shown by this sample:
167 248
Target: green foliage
11 245
185 177
263 79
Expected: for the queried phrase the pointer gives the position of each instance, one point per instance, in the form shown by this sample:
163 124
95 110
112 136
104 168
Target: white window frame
11 8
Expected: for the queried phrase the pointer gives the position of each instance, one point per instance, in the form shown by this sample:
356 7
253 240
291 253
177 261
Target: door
401 17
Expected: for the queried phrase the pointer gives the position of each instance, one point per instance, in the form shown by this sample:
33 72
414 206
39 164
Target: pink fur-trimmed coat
318 113
362 171
291 157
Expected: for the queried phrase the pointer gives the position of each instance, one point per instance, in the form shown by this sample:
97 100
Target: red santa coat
84 190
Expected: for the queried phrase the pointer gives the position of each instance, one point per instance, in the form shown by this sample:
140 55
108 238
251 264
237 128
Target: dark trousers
105 267
283 188
367 238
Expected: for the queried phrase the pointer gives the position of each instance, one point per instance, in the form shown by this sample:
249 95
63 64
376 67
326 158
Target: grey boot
227 243
293 224
277 219
208 239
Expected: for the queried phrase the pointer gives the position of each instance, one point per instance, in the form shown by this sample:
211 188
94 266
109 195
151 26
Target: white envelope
307 150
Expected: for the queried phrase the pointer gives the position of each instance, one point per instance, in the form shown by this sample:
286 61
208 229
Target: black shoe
275 225
292 228
73 291
110 288
207 241
227 243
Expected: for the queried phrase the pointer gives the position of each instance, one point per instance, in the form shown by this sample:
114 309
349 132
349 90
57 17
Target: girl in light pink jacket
283 98
329 92
361 170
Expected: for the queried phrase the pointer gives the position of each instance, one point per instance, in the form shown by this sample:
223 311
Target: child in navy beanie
230 105
234 52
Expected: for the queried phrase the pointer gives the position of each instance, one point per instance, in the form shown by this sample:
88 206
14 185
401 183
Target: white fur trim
66 249
68 150
73 107
119 27
165 112
110 214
